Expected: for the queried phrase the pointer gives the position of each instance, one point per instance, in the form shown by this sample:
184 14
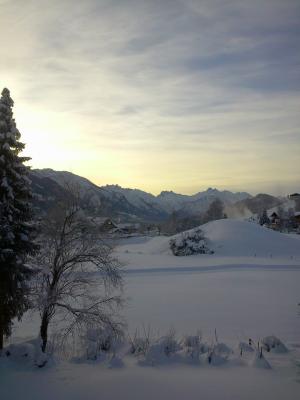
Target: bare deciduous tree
78 276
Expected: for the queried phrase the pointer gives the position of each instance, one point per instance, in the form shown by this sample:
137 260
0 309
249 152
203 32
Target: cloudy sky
158 94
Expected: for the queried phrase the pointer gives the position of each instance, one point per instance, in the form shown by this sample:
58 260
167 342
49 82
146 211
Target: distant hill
258 203
49 186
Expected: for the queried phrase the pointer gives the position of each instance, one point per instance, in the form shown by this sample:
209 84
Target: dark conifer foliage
16 227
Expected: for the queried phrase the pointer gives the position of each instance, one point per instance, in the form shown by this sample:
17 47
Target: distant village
284 218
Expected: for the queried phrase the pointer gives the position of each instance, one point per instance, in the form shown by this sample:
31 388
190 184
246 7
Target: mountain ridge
126 203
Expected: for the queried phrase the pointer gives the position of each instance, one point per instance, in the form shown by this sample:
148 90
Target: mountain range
50 187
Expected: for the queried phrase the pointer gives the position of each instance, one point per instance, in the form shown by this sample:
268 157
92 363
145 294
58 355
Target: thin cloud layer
157 95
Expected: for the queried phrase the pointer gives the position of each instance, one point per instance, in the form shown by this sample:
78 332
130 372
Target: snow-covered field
249 288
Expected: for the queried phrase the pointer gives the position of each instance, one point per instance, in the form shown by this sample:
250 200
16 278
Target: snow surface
236 245
235 292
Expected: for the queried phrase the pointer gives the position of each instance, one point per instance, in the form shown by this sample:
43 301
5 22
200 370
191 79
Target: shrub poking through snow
273 344
139 345
188 243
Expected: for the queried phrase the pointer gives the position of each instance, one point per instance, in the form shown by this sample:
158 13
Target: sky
158 94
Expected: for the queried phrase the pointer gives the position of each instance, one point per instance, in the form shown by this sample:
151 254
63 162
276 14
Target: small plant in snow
188 243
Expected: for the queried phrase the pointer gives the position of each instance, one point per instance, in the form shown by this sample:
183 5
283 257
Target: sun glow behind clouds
171 95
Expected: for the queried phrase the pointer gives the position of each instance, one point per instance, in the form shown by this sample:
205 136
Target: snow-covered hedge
188 243
106 347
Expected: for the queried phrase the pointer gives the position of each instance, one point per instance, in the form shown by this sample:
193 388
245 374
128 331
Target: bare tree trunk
1 330
44 330
1 320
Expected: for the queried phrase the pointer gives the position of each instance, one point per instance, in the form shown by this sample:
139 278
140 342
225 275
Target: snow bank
259 361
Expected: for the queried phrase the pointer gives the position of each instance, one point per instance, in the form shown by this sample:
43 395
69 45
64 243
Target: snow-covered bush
188 243
28 353
273 344
218 354
163 350
193 347
98 340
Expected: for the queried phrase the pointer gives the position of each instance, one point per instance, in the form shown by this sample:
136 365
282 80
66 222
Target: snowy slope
241 238
229 238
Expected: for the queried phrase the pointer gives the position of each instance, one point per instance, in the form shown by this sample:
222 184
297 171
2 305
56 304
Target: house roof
295 195
128 226
102 220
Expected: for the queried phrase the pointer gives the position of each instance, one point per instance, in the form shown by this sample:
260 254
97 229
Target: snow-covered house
297 218
294 196
104 224
274 220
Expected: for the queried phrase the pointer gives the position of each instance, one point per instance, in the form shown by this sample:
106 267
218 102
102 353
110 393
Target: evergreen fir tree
264 219
16 227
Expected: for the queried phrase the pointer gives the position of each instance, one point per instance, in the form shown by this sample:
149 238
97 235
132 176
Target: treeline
179 222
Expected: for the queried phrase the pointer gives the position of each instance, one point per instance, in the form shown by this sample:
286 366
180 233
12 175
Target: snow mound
259 361
27 353
240 238
225 237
